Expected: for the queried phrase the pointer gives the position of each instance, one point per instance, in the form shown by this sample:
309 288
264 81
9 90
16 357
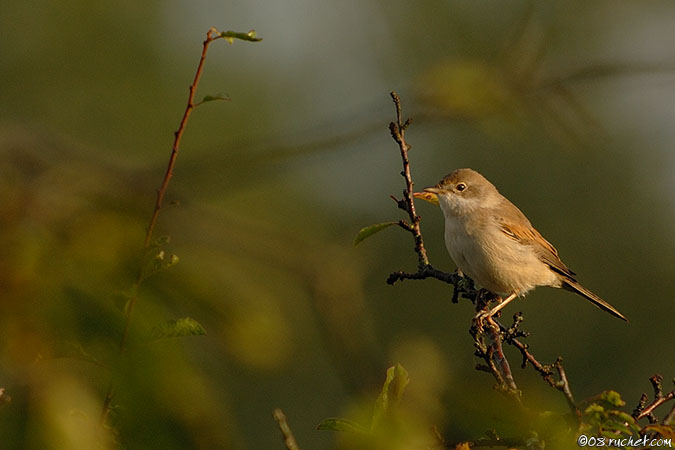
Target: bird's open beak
429 195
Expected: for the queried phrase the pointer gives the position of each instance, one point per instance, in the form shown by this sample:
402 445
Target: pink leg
481 316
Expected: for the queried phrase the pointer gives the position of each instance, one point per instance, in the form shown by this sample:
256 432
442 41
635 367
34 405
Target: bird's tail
572 285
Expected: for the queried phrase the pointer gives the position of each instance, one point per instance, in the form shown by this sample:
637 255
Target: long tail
573 286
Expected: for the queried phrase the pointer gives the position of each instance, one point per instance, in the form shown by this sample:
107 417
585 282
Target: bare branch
289 439
397 130
211 35
647 410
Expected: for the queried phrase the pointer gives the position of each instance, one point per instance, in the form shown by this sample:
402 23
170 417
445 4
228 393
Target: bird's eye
460 187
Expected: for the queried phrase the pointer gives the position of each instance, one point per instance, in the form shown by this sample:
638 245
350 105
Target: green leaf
392 391
627 419
613 398
177 328
370 230
337 424
214 98
230 36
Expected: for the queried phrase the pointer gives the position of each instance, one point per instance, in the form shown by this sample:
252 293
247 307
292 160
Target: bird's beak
429 195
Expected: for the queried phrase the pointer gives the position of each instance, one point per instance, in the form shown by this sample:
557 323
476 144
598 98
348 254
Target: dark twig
488 343
643 409
427 271
497 360
286 432
656 381
641 405
397 130
510 336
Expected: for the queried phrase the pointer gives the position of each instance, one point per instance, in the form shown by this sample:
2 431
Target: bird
492 241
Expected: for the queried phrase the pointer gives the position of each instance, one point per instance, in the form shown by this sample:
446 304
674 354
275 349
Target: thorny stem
211 35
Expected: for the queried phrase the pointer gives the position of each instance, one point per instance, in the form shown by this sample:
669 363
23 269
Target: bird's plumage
494 243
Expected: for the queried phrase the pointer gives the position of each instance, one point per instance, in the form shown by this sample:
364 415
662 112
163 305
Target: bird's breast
494 260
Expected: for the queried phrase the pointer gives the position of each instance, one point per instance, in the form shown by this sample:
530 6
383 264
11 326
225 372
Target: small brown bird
492 242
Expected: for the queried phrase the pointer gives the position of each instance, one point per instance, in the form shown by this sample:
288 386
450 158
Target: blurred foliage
602 420
566 105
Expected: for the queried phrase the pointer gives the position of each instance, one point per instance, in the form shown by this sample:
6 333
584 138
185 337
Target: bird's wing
516 226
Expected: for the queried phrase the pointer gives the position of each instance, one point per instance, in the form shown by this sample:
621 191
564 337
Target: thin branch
656 381
289 439
647 410
564 386
511 335
211 35
427 271
397 130
492 354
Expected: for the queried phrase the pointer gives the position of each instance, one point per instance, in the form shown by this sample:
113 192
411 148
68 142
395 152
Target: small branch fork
488 341
643 409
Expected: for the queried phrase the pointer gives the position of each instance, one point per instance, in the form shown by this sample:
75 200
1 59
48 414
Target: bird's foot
480 319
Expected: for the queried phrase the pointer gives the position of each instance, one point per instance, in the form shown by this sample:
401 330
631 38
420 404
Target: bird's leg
487 315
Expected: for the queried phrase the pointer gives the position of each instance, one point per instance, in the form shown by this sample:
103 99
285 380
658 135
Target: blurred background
567 106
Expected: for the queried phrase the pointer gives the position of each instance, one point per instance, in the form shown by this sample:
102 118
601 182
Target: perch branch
397 130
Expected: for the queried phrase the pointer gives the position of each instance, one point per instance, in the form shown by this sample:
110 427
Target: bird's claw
480 318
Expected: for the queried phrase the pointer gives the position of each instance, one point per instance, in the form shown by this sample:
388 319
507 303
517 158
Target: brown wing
516 226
